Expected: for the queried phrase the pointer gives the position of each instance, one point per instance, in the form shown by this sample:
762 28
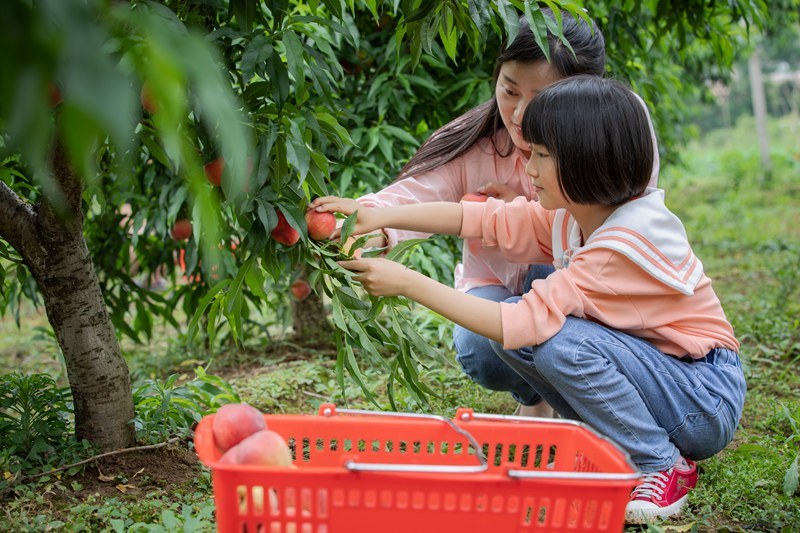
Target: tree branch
18 225
55 219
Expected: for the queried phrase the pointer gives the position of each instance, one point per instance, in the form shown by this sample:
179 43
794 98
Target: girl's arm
382 277
443 184
434 217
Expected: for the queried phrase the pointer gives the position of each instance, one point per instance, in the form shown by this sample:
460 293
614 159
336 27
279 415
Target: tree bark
50 241
310 324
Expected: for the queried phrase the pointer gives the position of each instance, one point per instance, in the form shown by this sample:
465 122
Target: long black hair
598 133
460 134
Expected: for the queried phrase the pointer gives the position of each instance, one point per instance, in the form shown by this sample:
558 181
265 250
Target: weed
168 408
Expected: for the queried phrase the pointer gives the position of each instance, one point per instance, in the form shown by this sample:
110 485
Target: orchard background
149 149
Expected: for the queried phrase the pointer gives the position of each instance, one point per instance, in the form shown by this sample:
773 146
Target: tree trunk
97 372
310 324
760 112
50 241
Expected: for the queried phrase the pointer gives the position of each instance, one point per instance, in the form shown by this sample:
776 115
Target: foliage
166 408
742 234
297 99
34 419
188 507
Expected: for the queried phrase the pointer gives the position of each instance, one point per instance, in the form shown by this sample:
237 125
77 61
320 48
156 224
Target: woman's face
517 84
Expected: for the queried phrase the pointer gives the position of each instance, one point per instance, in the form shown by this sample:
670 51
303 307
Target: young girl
483 151
627 334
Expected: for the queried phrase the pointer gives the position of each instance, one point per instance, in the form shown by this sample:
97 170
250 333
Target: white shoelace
653 485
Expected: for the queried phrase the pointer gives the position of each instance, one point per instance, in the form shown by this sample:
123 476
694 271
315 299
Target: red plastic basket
364 471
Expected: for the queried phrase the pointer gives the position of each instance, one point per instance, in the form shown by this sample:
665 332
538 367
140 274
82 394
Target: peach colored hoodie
636 273
480 265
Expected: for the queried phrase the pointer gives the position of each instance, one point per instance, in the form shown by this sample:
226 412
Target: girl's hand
381 277
500 191
367 221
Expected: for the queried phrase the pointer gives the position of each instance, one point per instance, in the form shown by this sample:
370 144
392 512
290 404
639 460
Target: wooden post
760 111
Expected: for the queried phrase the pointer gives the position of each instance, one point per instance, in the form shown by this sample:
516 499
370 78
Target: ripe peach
301 289
213 171
264 447
234 422
54 94
320 225
284 233
182 229
474 197
146 98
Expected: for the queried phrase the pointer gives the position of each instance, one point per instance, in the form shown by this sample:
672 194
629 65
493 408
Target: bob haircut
597 131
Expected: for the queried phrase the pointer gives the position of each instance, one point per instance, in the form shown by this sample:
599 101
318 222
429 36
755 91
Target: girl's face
541 168
517 84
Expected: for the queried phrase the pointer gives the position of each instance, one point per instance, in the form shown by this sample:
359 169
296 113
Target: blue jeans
652 405
476 357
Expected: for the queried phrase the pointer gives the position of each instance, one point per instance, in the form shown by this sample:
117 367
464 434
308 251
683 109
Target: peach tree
146 140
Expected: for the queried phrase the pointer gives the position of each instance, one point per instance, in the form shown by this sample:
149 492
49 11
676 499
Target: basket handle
465 415
329 409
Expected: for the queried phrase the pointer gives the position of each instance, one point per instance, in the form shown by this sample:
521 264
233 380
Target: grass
745 226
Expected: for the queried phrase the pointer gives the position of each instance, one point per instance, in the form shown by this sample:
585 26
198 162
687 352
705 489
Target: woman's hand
381 277
368 219
500 191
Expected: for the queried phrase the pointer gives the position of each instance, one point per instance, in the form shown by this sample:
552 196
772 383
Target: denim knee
478 361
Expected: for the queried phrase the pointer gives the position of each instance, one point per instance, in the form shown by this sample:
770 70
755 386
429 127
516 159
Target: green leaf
342 135
402 248
425 8
294 58
350 299
449 35
297 154
255 54
245 12
348 226
266 215
203 305
336 313
211 326
351 364
790 480
536 19
255 282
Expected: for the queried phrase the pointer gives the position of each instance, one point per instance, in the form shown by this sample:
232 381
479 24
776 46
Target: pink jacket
636 273
480 264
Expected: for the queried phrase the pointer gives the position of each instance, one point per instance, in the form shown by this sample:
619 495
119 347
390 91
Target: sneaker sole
642 516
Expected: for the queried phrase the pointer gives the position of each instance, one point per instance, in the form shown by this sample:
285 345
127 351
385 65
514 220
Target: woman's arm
381 277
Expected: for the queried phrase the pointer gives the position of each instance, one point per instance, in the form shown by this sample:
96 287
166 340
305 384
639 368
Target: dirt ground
133 473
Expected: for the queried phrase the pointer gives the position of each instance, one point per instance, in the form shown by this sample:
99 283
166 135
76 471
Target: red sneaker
661 495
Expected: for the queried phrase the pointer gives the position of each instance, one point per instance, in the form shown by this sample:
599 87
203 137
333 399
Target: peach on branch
284 233
300 289
182 229
213 170
320 225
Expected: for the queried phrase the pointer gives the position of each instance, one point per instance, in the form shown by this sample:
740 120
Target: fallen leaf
125 488
105 479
